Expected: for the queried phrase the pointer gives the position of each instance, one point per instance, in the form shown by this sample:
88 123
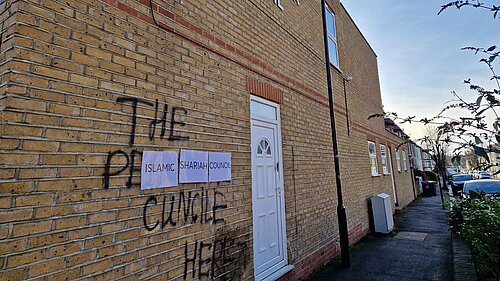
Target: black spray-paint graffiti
224 258
187 208
134 102
128 165
130 157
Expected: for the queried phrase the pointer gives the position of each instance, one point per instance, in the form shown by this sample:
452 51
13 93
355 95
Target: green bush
477 221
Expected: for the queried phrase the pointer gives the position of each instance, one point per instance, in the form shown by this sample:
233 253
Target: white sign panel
219 165
159 169
193 166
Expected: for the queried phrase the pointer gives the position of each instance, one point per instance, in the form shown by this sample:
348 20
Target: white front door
267 196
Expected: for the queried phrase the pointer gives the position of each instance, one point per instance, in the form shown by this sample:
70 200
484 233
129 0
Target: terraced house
183 140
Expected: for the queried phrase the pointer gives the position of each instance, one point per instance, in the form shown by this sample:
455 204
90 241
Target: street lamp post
341 211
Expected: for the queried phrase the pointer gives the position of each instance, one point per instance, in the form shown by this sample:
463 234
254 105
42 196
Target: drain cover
416 236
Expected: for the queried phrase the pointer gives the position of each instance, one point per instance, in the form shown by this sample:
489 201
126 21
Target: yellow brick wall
71 206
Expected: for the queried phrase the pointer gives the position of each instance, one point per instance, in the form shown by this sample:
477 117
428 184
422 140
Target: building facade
427 161
90 89
403 183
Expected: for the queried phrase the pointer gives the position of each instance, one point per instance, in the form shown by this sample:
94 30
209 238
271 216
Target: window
372 150
263 110
404 160
398 160
264 148
410 149
332 38
383 155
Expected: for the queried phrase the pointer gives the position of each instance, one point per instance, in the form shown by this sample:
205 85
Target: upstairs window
383 156
404 161
398 160
332 38
372 151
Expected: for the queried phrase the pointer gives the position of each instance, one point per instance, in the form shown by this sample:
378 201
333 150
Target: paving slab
423 251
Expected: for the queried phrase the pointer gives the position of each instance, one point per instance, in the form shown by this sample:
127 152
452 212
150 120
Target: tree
474 3
469 159
479 128
438 151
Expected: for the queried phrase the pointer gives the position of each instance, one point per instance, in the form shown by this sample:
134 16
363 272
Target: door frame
282 267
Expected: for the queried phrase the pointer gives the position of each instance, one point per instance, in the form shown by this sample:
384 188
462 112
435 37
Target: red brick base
316 260
305 267
356 233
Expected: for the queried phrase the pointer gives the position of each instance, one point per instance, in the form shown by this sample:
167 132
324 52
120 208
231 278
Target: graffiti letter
133 168
194 217
182 204
107 167
152 125
169 219
217 207
164 121
202 261
134 102
173 122
144 216
188 260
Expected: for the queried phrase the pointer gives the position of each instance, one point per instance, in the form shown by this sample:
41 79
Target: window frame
332 36
373 156
278 3
405 165
398 159
383 158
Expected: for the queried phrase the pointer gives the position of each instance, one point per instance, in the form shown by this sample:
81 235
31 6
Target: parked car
484 175
457 183
450 172
488 187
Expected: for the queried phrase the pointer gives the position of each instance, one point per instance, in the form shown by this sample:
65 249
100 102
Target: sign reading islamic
159 169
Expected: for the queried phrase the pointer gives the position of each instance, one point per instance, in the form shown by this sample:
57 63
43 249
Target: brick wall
84 86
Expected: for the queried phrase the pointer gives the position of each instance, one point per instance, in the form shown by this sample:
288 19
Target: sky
419 53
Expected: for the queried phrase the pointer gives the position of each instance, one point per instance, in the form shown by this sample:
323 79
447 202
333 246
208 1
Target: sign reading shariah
219 165
159 169
193 166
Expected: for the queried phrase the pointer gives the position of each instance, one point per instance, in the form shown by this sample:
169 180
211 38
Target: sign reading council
219 165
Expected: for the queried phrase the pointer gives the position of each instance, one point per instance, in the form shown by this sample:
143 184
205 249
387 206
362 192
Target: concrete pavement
422 250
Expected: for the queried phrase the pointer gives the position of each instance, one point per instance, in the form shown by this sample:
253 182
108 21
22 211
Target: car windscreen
486 187
462 178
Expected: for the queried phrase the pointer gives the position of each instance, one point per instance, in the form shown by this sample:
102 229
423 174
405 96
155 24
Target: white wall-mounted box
382 213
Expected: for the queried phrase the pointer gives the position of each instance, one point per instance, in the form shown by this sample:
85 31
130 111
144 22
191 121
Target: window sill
376 176
337 68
